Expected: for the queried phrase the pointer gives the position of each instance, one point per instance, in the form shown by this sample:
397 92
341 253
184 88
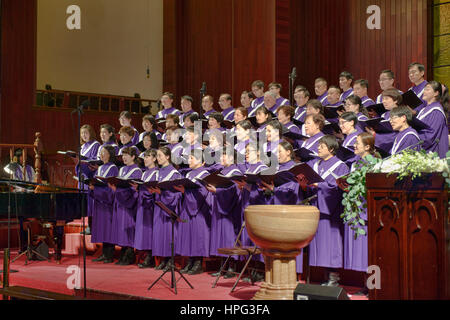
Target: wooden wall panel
331 36
283 62
227 44
254 44
18 67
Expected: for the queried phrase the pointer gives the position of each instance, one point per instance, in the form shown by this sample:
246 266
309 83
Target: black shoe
333 280
130 257
215 274
162 265
122 256
196 268
330 283
101 258
169 265
187 267
257 277
108 260
230 274
148 262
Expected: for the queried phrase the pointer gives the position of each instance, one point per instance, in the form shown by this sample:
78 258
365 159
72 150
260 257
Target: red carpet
128 280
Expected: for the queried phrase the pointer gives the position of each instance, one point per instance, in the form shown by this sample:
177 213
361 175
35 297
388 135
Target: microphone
293 74
203 89
83 105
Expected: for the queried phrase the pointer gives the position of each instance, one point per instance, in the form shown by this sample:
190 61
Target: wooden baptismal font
280 232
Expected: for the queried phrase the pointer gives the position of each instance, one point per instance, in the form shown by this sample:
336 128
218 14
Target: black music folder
72 154
118 182
93 162
227 124
292 135
378 108
304 154
331 127
411 99
344 153
217 180
87 181
332 112
283 177
168 185
379 125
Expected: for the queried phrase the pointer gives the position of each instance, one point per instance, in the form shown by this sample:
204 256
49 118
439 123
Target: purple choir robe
90 151
361 117
162 224
404 140
356 250
366 101
184 116
418 90
326 248
165 112
212 159
349 143
193 237
143 235
256 103
281 102
226 214
436 139
300 113
346 94
289 194
324 99
228 114
241 145
207 113
293 128
135 140
312 143
253 195
262 127
125 206
30 175
103 207
384 141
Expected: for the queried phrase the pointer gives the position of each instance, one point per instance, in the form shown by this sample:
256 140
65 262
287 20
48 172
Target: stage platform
114 282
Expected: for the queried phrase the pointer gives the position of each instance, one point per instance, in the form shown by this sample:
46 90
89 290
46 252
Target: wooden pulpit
409 236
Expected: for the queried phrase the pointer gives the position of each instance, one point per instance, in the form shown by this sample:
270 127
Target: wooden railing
36 147
58 99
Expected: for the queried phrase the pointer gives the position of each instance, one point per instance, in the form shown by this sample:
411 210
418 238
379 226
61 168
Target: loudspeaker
42 249
318 292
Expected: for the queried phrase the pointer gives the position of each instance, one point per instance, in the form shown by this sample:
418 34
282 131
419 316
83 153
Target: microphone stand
202 94
6 257
292 77
79 111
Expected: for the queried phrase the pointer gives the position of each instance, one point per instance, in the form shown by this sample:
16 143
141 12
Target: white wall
109 55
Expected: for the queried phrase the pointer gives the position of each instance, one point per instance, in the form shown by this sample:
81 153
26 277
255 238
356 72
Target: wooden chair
237 250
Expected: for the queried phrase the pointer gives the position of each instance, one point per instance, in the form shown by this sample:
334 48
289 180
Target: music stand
173 217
